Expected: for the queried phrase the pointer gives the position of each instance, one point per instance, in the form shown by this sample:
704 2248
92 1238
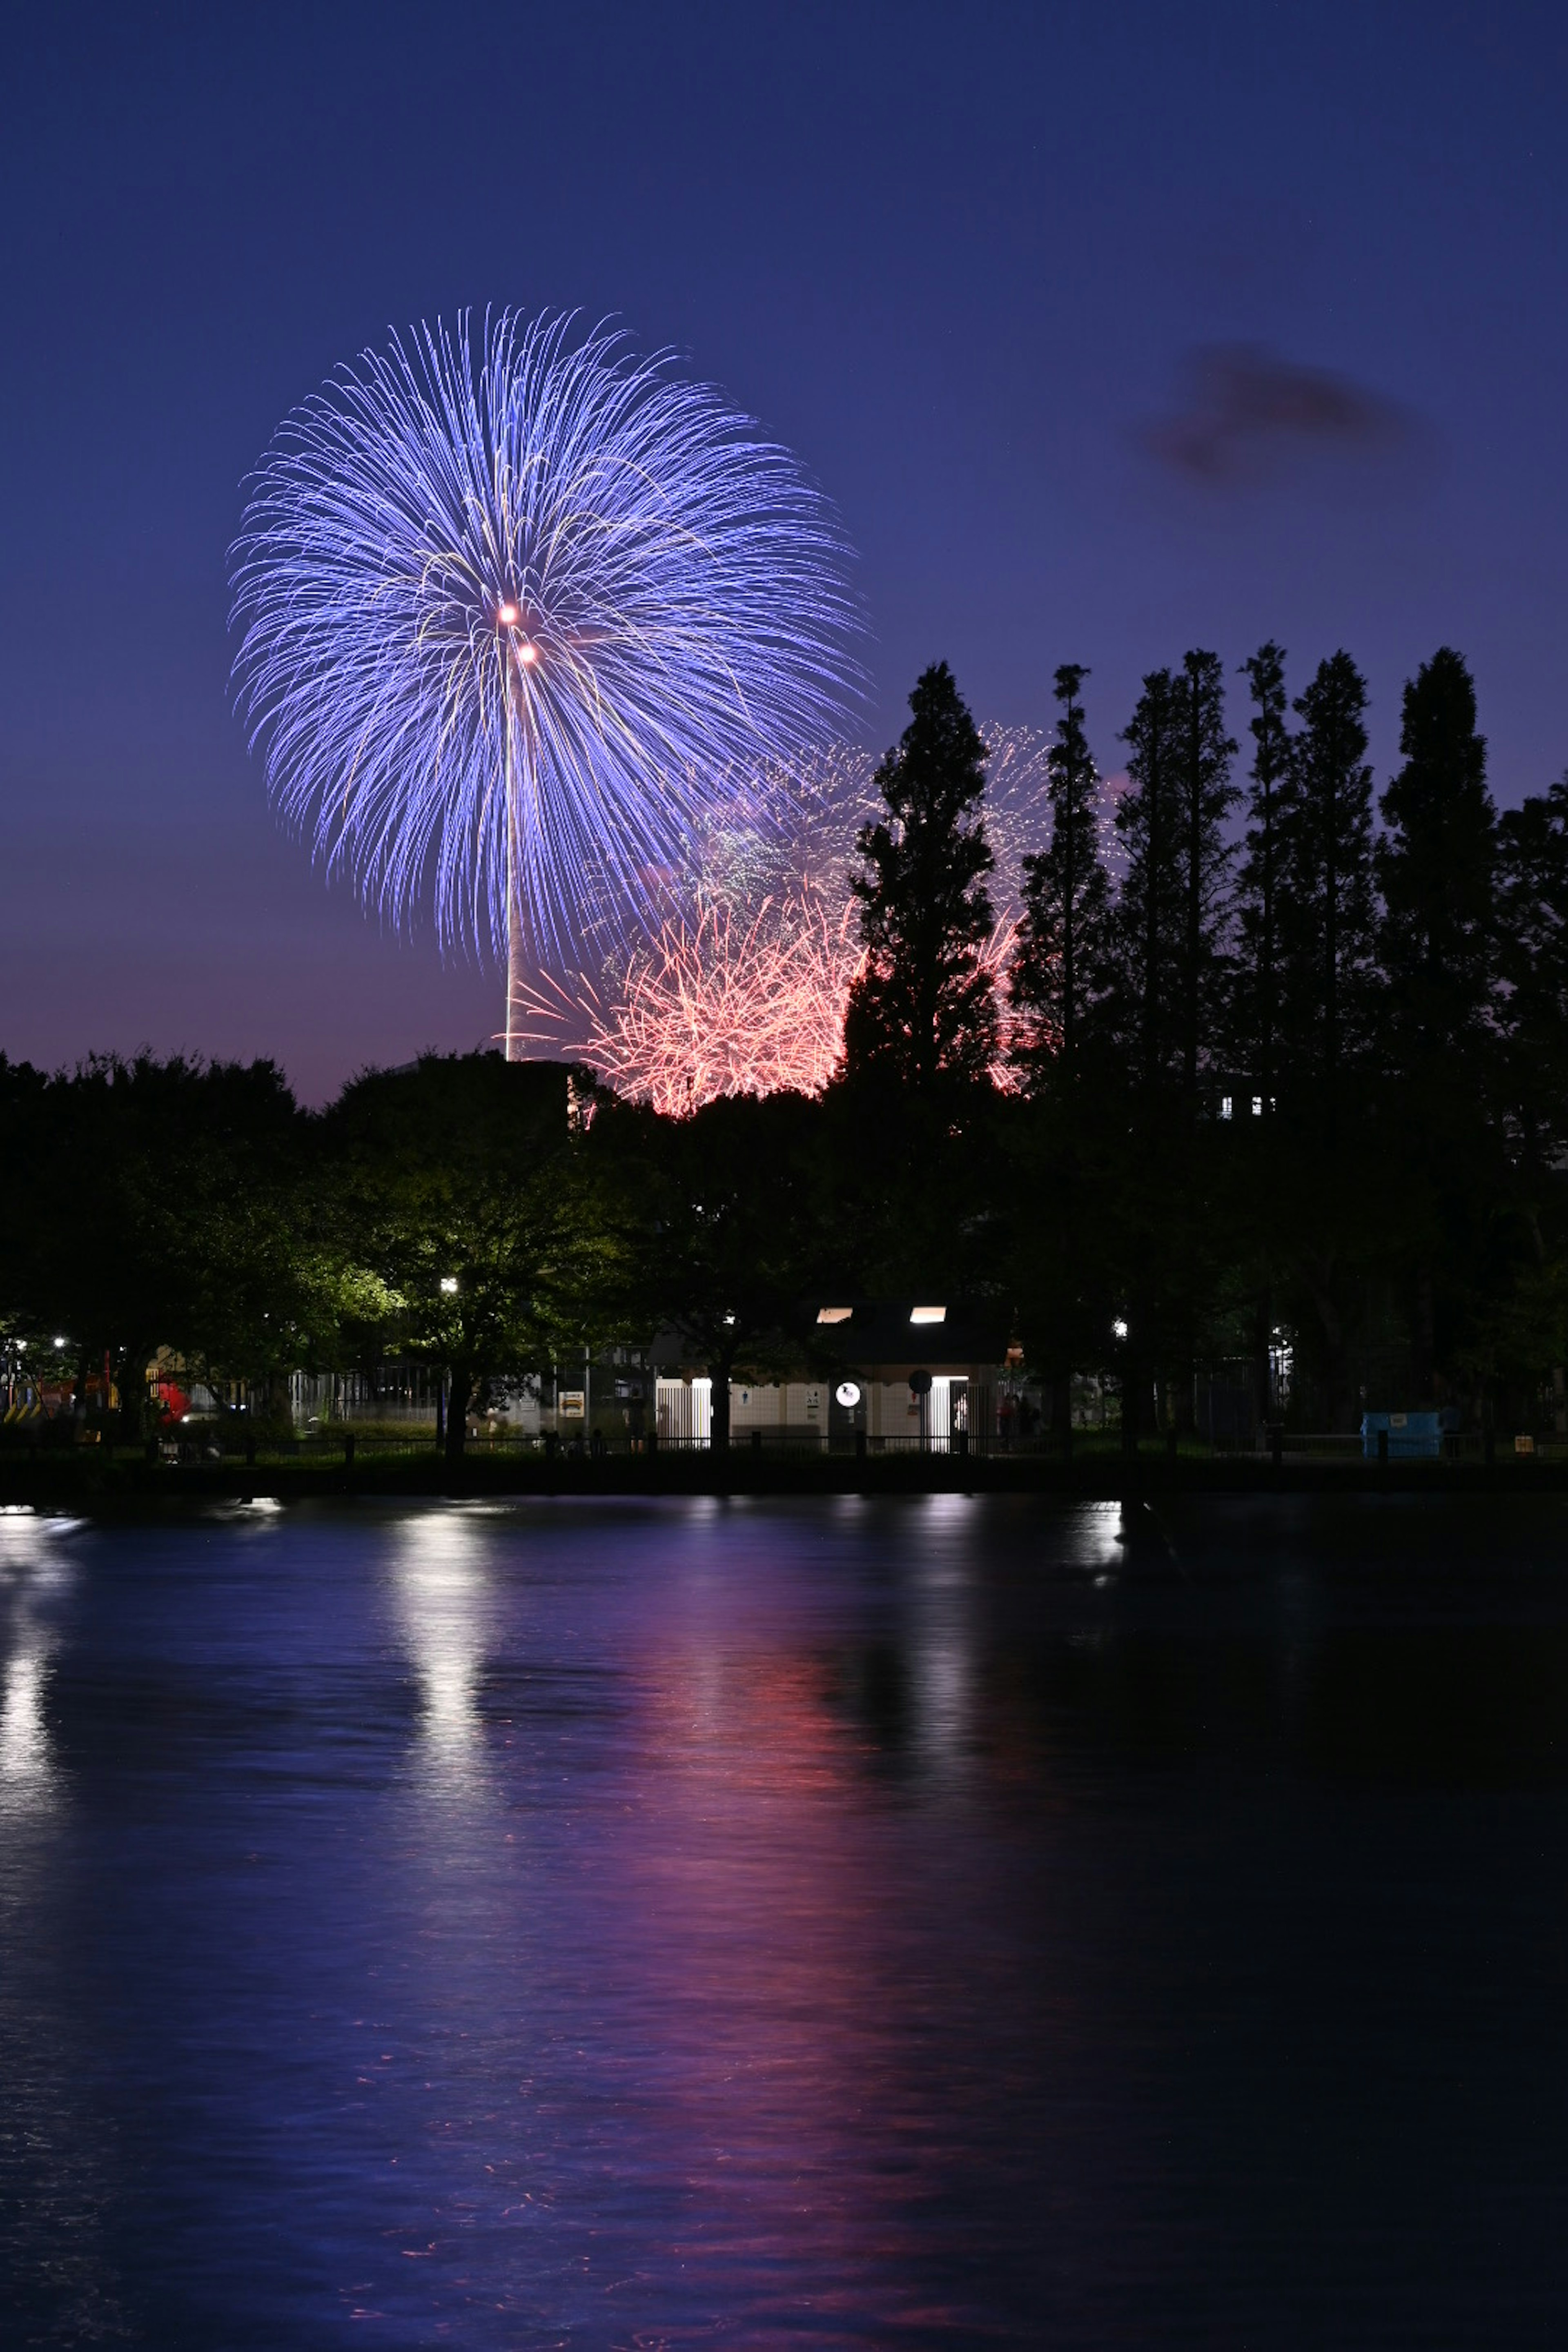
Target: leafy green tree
460 1192
1059 974
922 1012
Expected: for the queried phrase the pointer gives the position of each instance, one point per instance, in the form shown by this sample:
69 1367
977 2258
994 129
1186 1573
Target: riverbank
85 1479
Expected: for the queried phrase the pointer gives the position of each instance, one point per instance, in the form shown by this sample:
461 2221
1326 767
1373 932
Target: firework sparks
520 616
719 1006
728 1000
716 1006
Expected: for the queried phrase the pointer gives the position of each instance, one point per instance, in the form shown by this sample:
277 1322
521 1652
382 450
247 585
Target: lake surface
939 1922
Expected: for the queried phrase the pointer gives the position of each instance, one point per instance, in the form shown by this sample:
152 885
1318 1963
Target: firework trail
520 617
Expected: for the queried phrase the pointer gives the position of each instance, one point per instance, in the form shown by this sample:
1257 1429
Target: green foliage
456 1188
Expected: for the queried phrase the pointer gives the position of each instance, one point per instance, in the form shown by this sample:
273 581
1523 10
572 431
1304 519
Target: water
937 1923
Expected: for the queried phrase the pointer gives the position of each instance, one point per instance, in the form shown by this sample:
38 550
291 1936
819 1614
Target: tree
1329 1166
1154 1193
733 1251
1256 999
1150 912
1206 797
1255 993
1328 928
1532 925
1436 940
460 1191
1059 972
158 1187
1436 869
923 1011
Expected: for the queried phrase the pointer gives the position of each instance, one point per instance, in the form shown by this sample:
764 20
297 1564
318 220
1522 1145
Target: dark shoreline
82 1483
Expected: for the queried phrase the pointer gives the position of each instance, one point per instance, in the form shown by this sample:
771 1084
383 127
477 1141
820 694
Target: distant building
902 1371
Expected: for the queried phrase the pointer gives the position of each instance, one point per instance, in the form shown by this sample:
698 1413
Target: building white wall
800 1407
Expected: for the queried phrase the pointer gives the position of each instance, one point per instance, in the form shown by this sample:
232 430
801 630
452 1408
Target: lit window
928 1315
833 1314
1226 1105
1257 1105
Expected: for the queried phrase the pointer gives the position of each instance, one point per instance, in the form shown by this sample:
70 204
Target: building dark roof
883 1332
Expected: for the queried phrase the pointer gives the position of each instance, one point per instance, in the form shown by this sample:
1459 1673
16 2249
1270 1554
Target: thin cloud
1251 415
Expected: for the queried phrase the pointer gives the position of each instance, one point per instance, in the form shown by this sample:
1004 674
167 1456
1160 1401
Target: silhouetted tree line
1302 1075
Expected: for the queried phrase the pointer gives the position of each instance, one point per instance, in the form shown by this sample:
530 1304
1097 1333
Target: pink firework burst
719 1007
715 1006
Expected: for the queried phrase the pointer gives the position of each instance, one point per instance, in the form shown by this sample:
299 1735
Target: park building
892 1374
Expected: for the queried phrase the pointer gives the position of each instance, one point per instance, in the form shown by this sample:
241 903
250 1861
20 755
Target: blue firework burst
519 611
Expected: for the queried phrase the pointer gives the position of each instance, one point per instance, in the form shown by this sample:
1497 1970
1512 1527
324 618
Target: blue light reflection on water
941 1922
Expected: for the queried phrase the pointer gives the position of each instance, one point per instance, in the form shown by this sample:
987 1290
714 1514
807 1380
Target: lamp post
448 1290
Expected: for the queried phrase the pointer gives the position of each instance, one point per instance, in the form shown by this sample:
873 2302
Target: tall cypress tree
1150 921
1058 974
1532 911
1436 867
1206 798
1256 995
1326 928
923 1009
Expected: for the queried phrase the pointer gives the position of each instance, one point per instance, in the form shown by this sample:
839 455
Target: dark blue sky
966 260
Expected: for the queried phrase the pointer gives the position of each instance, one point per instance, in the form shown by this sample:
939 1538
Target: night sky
1112 330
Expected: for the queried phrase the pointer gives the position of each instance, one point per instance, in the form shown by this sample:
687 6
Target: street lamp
448 1284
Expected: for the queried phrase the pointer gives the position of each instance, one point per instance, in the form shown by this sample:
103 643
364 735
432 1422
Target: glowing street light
1119 1329
448 1284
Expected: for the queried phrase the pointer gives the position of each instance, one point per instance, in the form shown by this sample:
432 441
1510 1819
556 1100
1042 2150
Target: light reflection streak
23 1736
32 1577
443 1601
747 1896
942 1669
